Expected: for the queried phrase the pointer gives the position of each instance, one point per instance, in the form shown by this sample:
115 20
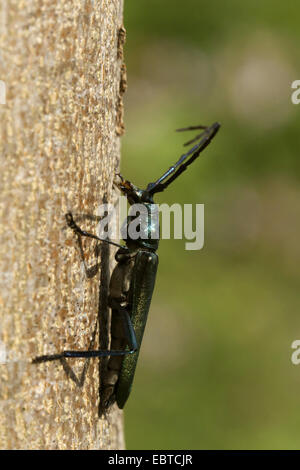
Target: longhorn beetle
132 280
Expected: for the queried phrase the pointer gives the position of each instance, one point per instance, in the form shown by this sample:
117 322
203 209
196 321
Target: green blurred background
215 368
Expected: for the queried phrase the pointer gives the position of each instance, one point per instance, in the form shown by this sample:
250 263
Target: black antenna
181 165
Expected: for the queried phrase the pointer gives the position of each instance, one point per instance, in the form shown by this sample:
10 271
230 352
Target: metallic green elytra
133 278
141 289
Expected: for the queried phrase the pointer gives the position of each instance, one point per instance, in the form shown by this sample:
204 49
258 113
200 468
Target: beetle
132 281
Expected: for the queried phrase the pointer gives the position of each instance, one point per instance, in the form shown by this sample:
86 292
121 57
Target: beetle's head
134 194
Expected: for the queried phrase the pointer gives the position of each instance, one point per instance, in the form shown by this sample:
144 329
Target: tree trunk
62 65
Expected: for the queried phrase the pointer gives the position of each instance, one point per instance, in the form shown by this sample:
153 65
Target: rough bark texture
59 147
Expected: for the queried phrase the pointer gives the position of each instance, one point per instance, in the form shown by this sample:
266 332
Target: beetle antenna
192 128
181 165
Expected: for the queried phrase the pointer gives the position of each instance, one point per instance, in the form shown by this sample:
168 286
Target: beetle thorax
141 228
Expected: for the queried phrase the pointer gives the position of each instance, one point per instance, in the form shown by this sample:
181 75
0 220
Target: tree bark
62 65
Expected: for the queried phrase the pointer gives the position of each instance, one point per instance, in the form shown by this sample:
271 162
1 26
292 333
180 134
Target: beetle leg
127 325
122 334
71 223
82 354
130 335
